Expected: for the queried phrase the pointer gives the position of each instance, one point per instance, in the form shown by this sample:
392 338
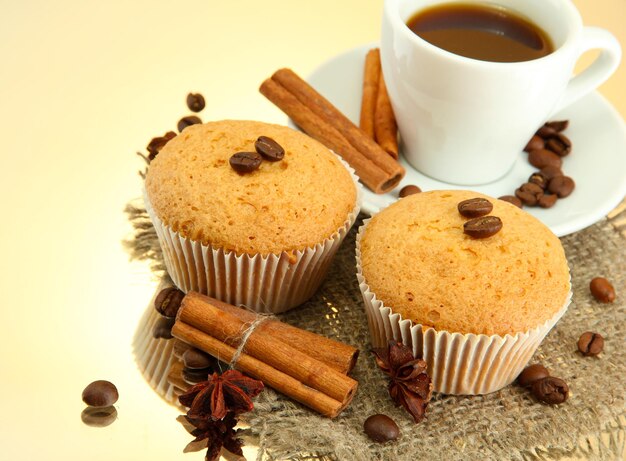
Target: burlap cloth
506 425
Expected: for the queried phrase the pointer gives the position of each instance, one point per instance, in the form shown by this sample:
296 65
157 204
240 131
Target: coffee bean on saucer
168 301
475 207
245 162
163 328
512 199
558 125
158 143
531 374
99 417
551 172
539 178
529 193
546 131
100 393
536 142
562 186
547 200
409 190
483 227
550 390
381 428
540 158
559 144
195 102
195 359
602 290
188 121
590 344
269 149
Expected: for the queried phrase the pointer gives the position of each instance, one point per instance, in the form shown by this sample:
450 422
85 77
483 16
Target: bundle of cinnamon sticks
306 367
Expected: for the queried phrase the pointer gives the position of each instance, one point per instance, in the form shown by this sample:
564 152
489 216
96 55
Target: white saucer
597 162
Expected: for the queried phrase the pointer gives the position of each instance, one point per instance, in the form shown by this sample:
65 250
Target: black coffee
481 31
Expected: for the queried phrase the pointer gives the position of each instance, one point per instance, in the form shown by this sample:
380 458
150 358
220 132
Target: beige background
83 85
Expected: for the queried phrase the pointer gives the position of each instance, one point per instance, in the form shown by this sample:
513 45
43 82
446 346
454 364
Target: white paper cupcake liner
457 363
270 283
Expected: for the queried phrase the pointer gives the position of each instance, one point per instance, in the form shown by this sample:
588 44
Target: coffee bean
550 390
269 149
245 162
529 193
409 190
163 328
590 344
551 172
546 131
195 376
547 200
100 393
539 178
99 417
195 102
540 158
482 227
168 301
512 199
559 144
158 143
536 142
195 359
531 374
475 207
381 428
562 186
188 121
558 125
602 290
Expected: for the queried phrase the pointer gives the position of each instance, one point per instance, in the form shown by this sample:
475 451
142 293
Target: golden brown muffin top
417 260
283 206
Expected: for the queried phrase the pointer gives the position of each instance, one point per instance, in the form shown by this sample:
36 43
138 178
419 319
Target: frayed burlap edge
507 424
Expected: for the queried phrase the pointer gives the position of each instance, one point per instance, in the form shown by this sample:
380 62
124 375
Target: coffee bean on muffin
483 227
269 149
409 190
381 428
590 344
602 290
188 121
245 162
475 207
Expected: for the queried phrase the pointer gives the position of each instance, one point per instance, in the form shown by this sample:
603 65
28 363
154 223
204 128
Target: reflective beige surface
83 85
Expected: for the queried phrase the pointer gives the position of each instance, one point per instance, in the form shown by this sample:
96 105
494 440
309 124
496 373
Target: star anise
231 391
410 385
219 433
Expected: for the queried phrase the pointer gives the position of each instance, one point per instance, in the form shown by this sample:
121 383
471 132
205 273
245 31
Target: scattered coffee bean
195 376
245 162
540 158
195 359
531 374
188 121
163 328
602 290
547 200
482 227
536 142
529 193
381 428
546 131
475 207
168 301
590 344
538 178
158 143
100 393
269 149
558 125
550 390
559 144
551 172
562 186
409 190
99 417
512 199
195 102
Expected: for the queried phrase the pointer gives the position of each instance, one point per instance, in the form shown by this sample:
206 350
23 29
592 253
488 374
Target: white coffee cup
465 121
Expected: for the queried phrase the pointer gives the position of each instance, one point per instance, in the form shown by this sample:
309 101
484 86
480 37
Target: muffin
476 309
262 239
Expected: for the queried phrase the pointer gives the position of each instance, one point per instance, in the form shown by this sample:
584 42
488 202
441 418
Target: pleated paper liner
270 283
457 363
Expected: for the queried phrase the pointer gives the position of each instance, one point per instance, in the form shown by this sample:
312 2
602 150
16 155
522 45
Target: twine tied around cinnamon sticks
306 367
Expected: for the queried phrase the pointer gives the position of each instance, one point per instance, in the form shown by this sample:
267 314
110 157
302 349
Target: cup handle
601 69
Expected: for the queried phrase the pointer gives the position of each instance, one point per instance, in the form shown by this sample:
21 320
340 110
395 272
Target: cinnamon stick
256 368
335 354
324 122
371 76
385 127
